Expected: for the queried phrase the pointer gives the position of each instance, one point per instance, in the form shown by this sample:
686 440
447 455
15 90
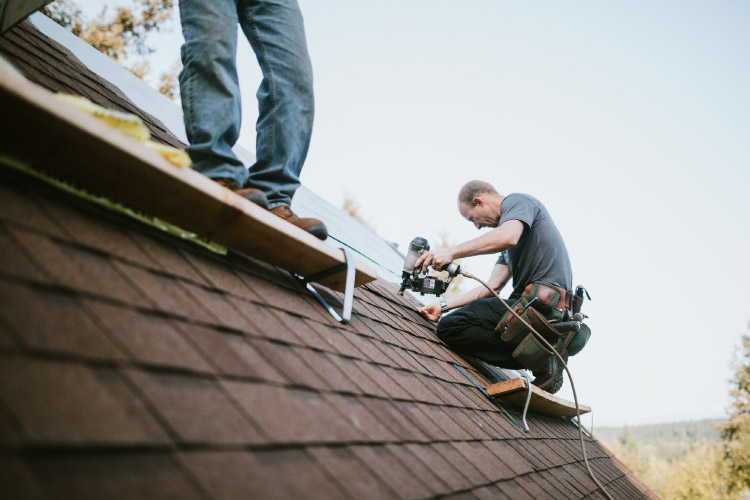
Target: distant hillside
665 441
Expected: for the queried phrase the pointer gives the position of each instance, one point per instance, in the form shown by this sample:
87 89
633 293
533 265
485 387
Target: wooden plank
515 391
61 140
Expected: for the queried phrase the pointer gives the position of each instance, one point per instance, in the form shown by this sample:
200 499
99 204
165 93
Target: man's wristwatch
443 305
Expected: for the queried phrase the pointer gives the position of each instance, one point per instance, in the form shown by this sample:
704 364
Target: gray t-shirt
540 254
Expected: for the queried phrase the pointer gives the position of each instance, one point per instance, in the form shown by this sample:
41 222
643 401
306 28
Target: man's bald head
474 189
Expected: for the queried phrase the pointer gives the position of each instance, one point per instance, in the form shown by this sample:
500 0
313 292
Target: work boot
255 195
550 377
312 226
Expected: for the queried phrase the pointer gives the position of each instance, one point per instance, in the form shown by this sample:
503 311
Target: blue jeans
211 93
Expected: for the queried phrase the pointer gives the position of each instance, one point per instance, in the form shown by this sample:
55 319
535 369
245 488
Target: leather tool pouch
531 353
529 350
511 329
540 302
547 298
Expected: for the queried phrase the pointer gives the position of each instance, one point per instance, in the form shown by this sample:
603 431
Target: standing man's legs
210 89
211 98
286 107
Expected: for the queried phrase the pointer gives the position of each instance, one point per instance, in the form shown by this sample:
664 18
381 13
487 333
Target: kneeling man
532 251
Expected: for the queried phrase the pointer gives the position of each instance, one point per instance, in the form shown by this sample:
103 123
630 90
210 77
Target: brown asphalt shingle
393 471
267 474
148 338
69 404
357 479
134 364
115 476
289 415
37 316
231 354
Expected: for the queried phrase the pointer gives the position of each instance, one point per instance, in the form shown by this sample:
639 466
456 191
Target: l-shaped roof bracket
349 267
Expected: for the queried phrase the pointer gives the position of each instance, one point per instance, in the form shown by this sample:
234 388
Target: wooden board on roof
61 140
515 391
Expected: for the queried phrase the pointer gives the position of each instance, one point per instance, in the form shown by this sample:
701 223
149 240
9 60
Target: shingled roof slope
137 363
134 364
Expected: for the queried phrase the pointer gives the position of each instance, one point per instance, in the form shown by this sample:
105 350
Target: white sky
629 120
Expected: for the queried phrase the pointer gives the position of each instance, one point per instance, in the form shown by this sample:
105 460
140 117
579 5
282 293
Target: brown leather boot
312 226
255 195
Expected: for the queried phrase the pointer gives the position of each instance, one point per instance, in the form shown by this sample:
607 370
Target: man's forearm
478 246
495 241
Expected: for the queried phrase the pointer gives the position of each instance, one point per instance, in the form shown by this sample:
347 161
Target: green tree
736 431
708 471
699 474
121 33
702 474
627 450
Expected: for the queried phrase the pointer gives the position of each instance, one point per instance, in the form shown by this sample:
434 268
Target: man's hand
437 259
431 312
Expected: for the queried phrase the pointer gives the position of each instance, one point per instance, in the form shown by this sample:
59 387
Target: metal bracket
351 270
587 433
484 391
526 405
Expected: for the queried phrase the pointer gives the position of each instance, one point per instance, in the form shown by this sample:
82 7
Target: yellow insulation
175 156
129 125
126 123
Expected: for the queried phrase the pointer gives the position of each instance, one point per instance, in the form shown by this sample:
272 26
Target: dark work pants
469 330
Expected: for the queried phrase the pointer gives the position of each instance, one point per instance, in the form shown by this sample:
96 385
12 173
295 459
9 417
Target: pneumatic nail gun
412 278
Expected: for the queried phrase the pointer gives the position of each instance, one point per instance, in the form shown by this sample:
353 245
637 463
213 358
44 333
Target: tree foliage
168 83
736 431
708 470
701 474
120 32
668 441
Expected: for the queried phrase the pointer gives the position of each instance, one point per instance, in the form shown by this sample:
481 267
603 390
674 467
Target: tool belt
541 303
